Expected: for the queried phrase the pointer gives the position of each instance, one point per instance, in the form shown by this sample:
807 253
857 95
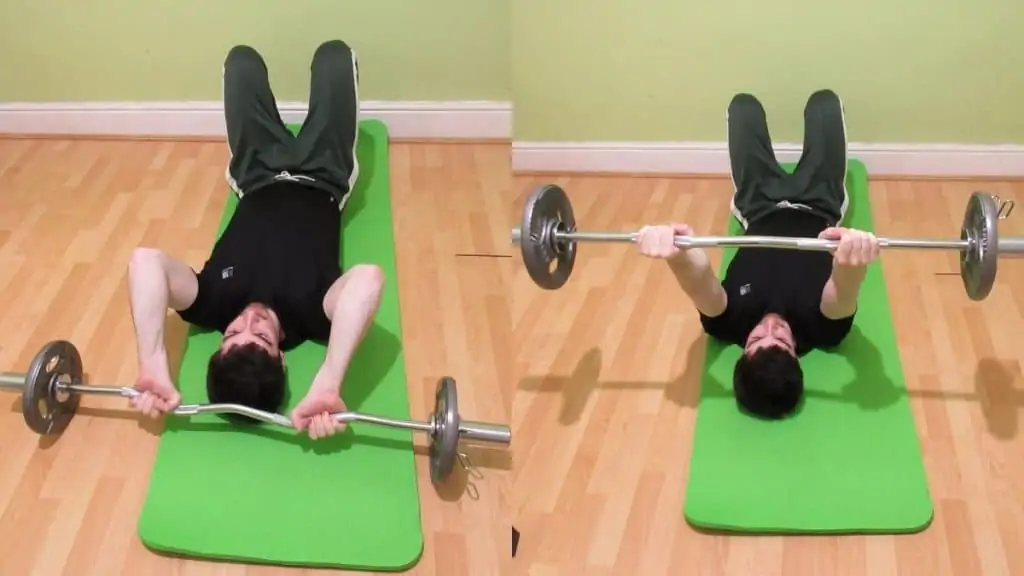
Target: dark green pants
263 151
819 181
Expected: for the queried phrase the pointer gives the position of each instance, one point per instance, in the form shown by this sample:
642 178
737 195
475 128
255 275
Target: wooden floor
592 377
605 405
70 213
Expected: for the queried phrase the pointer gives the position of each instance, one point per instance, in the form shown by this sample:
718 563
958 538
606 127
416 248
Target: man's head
248 367
768 381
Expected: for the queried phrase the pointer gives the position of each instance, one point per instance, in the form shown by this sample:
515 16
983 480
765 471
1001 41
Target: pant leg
820 176
329 135
752 159
258 140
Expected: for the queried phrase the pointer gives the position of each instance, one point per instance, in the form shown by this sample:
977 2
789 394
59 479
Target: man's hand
856 249
158 394
314 412
659 241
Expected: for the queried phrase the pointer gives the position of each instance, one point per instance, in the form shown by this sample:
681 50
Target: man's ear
280 340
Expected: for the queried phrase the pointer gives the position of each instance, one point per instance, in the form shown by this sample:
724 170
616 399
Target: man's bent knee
333 51
745 107
244 57
823 101
336 62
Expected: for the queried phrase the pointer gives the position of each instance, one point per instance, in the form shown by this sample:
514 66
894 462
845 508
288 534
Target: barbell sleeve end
12 380
517 236
1011 245
485 432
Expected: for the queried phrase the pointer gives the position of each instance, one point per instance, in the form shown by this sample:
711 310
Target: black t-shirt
789 283
280 249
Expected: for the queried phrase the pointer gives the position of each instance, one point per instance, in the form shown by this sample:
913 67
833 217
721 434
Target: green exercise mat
848 462
268 495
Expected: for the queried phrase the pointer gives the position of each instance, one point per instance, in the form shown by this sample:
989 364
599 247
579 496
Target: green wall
664 70
53 50
661 70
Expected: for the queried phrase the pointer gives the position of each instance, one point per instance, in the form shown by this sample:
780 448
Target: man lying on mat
273 279
777 304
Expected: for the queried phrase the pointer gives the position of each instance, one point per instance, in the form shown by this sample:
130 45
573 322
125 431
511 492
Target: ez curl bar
53 386
548 236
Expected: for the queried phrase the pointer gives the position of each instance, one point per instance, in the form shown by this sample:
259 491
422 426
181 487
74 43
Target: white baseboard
712 158
483 120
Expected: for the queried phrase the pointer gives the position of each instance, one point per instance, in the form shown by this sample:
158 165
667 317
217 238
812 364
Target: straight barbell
53 385
548 236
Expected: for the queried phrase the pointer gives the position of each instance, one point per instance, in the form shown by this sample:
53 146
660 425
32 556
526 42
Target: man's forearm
839 298
149 294
695 276
353 311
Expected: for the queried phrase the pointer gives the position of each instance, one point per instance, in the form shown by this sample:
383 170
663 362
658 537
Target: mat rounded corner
375 126
152 542
152 545
694 519
706 528
415 554
142 529
856 174
922 520
698 524
857 167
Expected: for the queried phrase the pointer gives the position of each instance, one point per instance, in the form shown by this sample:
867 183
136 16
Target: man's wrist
155 363
329 379
846 282
686 264
849 277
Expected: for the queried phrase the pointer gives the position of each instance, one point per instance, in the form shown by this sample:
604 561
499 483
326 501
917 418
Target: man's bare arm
156 282
839 297
692 269
350 304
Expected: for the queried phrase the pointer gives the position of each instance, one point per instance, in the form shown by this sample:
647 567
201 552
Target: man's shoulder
828 332
729 326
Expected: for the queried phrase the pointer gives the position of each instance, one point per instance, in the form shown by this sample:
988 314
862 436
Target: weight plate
978 264
47 410
548 210
444 444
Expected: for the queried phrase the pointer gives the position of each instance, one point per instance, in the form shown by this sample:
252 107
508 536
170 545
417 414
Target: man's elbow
363 287
838 308
145 262
836 328
836 339
369 278
141 254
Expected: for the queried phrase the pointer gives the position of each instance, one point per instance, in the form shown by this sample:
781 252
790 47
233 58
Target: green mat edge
856 171
382 161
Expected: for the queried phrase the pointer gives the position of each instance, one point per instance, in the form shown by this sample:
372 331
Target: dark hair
768 383
247 375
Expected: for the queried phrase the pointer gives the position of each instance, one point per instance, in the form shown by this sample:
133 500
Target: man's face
258 325
772 330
